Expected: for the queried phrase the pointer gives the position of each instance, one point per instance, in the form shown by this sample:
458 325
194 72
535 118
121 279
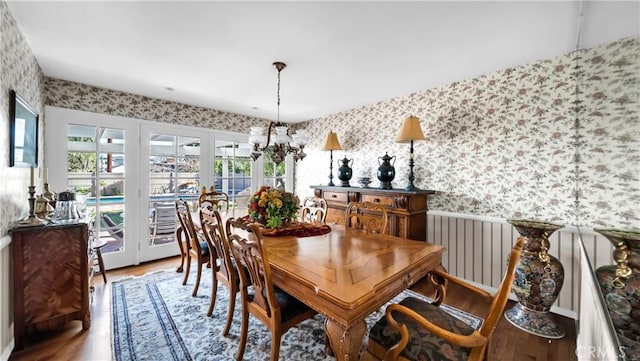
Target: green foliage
81 162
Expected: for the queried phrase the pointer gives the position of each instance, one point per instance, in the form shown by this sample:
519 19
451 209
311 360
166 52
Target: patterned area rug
155 318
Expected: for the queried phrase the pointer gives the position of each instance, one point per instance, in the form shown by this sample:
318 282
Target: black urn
386 171
345 172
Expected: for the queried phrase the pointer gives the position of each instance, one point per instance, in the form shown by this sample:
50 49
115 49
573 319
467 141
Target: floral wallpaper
557 139
70 95
19 71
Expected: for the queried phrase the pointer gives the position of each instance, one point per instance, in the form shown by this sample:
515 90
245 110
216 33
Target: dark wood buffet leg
345 342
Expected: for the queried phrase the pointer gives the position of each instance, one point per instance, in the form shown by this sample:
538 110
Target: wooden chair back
366 216
314 209
265 300
504 290
214 201
225 272
213 230
196 245
187 225
251 255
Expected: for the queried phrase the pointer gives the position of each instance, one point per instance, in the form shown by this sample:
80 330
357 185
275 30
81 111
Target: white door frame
56 133
136 169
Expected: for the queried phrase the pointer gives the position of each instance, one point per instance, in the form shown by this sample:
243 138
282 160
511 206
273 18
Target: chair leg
186 274
232 306
197 285
183 249
214 293
243 332
275 345
101 264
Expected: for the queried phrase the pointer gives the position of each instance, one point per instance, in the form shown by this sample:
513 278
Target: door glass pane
274 174
95 172
232 173
174 172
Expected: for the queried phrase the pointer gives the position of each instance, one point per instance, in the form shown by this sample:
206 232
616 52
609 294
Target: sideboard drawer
336 197
385 201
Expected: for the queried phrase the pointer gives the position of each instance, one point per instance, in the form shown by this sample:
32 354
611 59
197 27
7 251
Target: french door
129 172
91 154
172 167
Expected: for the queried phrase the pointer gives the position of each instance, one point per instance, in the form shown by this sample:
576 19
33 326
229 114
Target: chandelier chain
283 143
278 116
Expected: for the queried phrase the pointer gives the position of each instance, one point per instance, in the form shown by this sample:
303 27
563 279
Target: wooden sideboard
407 210
50 278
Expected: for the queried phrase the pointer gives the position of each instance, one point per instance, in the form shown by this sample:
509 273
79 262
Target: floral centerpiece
273 207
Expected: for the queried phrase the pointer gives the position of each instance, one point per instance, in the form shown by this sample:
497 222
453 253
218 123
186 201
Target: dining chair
163 222
226 271
366 216
276 309
198 248
214 201
314 209
418 330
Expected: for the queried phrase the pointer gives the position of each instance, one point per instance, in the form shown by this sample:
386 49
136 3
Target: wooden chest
50 278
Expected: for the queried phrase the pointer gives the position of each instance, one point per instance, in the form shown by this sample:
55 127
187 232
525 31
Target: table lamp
409 132
331 144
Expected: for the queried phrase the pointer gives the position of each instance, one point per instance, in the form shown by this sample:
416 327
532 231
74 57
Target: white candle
31 184
46 175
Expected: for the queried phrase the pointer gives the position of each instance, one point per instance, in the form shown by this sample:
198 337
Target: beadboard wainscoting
477 250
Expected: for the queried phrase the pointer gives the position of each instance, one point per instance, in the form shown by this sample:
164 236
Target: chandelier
277 145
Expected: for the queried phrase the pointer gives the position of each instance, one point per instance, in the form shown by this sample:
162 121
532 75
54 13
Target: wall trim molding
584 230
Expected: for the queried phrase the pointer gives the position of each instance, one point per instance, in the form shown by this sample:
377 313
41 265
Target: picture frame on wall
24 132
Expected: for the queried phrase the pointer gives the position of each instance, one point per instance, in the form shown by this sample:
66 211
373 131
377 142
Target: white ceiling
340 55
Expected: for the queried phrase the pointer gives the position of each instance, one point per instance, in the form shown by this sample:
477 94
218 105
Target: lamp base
411 187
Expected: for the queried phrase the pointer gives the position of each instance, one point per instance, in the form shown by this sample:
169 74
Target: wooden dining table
347 274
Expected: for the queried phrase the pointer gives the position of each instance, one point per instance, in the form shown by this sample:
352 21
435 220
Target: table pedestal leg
345 342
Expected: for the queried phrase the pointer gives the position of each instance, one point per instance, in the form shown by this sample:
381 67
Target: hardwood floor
71 343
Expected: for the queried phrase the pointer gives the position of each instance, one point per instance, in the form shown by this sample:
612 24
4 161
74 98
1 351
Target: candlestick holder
50 196
32 219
